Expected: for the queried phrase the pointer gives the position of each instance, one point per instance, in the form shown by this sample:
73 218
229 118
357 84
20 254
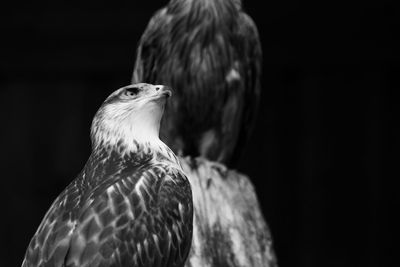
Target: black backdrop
322 153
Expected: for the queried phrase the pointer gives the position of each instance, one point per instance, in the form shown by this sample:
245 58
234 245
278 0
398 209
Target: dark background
322 155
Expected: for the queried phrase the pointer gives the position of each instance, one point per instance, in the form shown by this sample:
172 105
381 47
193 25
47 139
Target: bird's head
185 4
130 117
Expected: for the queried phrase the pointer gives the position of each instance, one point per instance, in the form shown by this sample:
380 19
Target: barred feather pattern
122 210
209 52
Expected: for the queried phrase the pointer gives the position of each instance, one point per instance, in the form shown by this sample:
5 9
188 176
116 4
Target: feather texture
210 53
123 209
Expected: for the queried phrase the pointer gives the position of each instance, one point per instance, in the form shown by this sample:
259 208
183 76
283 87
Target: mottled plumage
209 52
131 205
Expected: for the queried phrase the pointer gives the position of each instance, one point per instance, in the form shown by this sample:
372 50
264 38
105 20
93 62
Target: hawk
210 53
131 205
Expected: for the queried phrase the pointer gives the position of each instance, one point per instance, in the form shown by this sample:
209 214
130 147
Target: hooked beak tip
165 91
168 93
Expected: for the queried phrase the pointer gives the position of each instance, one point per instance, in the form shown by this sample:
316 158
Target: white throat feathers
129 119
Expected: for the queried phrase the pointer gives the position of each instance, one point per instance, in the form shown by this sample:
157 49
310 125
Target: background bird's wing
250 55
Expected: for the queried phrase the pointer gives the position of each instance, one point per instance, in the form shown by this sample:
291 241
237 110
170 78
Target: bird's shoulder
157 28
247 25
248 32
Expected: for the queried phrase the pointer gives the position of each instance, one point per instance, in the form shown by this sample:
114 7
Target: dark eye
131 91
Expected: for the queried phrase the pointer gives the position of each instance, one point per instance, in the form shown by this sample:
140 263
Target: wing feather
121 224
51 241
252 66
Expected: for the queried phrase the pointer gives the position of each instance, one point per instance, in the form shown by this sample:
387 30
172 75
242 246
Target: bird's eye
131 91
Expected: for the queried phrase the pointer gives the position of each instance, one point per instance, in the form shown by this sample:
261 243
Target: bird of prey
132 204
210 53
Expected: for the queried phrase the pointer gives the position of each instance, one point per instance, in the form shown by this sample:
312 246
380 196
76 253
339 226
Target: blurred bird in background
131 205
209 52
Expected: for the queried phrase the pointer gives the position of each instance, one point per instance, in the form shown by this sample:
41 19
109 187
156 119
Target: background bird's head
185 4
130 117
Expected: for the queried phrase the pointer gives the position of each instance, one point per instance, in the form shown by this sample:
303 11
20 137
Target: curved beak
164 90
